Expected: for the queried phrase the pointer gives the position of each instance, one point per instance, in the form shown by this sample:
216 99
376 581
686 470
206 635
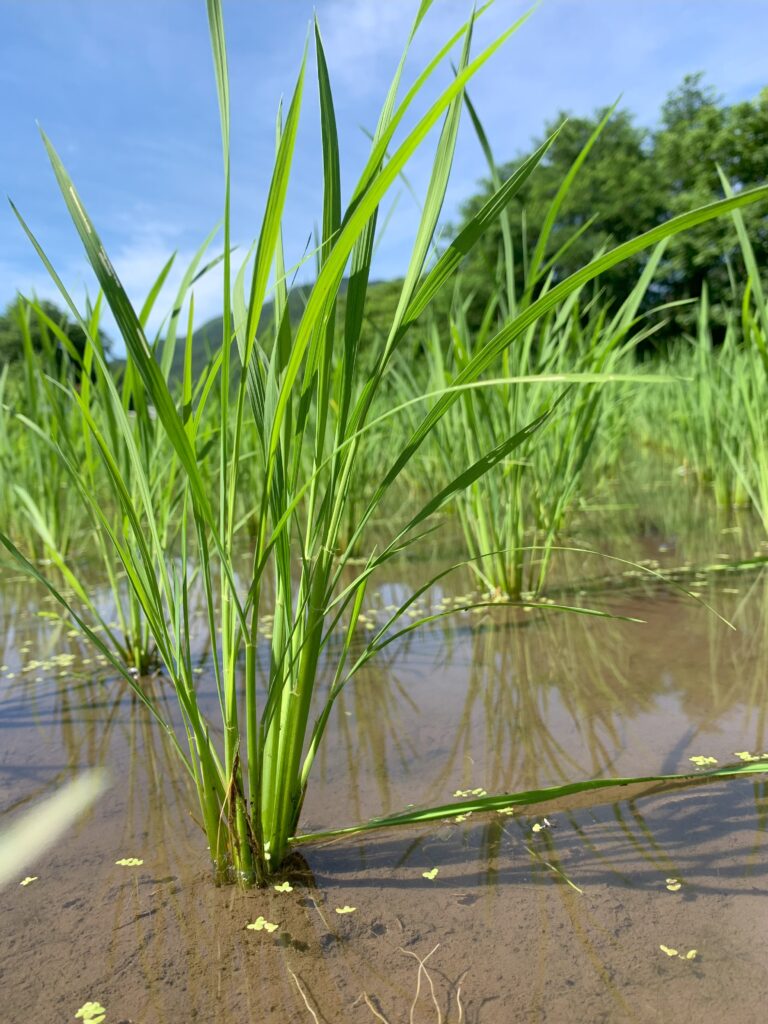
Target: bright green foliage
512 518
699 138
614 196
62 475
36 503
634 179
294 405
718 424
535 796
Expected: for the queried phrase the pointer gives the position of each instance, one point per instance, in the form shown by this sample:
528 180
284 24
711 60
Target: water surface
563 924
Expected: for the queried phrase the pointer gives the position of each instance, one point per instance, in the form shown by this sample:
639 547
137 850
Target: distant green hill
207 338
380 308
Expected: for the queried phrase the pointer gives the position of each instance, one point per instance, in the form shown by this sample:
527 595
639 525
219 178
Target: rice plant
717 417
511 519
34 490
296 390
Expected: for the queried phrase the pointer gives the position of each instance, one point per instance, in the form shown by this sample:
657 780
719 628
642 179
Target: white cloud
138 261
358 35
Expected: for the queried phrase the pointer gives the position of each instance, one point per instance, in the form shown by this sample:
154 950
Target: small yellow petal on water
537 827
129 862
345 910
668 950
284 887
431 875
261 924
28 880
506 810
673 884
691 954
701 760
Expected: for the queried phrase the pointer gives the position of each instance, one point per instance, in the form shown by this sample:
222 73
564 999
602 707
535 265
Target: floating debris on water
701 761
690 955
262 924
541 825
91 1013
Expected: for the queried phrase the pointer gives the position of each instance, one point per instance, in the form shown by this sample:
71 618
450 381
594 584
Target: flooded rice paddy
650 907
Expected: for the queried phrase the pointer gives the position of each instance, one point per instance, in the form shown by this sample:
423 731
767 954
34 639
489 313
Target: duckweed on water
262 924
690 955
91 1013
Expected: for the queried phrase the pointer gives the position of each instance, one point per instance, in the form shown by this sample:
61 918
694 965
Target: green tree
614 196
41 337
698 134
632 180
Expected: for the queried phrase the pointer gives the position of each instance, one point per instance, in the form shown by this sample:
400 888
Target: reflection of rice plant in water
299 394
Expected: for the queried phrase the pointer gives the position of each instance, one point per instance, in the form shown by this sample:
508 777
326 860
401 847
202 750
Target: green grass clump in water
512 518
301 396
33 488
52 493
717 419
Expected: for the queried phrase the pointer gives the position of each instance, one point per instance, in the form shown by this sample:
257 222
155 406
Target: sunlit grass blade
530 797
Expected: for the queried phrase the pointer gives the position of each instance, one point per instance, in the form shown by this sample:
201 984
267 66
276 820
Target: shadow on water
659 832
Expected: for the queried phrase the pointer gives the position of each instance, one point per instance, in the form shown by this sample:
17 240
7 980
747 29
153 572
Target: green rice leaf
529 797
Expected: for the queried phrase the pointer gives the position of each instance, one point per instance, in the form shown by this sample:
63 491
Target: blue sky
125 91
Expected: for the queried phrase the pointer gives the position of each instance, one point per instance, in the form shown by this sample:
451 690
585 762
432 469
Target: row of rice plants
716 424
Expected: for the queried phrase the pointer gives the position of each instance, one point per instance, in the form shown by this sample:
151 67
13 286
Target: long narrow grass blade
330 276
531 796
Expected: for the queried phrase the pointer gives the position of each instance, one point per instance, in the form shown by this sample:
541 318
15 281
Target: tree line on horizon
634 178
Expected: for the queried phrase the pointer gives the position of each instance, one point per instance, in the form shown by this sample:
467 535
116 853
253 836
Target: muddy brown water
563 924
